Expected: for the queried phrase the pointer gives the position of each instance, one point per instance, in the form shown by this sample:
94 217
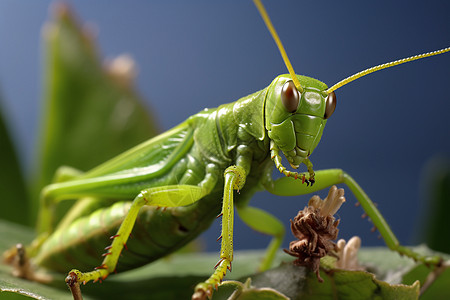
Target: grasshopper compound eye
290 96
330 105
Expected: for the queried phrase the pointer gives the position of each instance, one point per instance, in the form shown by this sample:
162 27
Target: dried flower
316 228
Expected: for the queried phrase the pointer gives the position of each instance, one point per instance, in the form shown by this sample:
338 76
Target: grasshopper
190 168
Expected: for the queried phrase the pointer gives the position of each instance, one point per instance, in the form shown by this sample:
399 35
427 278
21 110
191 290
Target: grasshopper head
295 121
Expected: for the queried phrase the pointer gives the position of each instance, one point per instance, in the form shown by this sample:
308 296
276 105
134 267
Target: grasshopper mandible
189 169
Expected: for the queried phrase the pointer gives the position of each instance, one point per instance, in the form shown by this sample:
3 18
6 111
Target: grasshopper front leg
286 186
234 180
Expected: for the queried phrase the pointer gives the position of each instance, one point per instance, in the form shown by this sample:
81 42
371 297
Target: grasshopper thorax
295 120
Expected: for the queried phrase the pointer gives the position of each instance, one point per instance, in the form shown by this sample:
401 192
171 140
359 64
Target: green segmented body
156 233
204 145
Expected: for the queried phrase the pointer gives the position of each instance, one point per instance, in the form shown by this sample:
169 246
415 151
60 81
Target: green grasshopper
189 169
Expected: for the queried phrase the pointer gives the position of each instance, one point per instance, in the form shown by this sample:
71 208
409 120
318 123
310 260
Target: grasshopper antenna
269 25
384 66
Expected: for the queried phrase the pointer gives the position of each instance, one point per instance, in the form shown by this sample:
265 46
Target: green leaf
176 276
245 291
439 288
13 192
12 234
298 283
91 112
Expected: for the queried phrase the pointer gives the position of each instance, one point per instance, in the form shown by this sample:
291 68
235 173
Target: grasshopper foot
74 286
204 290
202 293
308 181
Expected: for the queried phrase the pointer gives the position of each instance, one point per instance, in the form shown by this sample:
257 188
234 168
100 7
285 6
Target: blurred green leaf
13 192
91 111
435 228
176 276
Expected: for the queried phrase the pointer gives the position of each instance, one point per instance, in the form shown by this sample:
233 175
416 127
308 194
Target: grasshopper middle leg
163 196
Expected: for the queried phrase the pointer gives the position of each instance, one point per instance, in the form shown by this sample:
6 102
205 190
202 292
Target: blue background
386 129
